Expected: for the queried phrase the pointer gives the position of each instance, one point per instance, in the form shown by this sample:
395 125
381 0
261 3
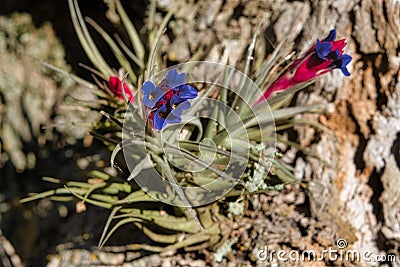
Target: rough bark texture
364 119
359 197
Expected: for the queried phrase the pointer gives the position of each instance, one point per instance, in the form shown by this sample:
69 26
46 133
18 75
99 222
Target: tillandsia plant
190 135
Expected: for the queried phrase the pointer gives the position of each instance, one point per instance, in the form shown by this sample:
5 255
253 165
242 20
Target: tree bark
361 196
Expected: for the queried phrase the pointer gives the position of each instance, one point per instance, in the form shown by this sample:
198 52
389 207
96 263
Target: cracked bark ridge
364 189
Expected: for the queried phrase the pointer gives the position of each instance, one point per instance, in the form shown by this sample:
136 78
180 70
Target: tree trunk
359 198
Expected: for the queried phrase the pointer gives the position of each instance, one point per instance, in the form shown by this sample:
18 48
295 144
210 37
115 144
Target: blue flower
330 50
177 108
166 102
178 105
172 111
159 117
331 36
323 49
187 92
152 94
166 115
342 63
174 79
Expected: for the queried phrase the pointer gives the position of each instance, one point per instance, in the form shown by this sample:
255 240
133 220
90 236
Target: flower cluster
114 83
323 57
168 100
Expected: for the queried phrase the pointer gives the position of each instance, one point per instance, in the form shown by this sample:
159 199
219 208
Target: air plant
188 141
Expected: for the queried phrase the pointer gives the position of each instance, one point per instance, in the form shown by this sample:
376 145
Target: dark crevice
292 135
270 38
317 137
304 208
362 143
312 9
376 185
378 70
237 12
298 39
381 101
358 157
384 65
396 150
371 18
352 17
385 14
370 126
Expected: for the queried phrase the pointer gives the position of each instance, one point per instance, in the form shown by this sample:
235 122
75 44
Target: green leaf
86 40
105 198
174 150
78 194
264 118
282 97
93 88
145 163
261 76
131 30
137 196
167 239
116 226
108 223
134 58
49 193
99 174
116 51
116 188
163 163
179 224
157 37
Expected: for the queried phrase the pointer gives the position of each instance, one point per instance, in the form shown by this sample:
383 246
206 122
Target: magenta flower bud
114 83
323 57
